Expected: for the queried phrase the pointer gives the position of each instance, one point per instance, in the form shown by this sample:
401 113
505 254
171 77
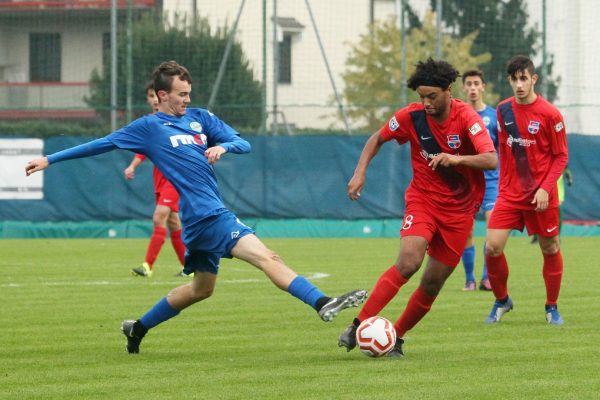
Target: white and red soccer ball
375 336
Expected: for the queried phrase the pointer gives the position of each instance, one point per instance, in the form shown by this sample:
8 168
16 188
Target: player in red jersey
450 147
533 155
166 213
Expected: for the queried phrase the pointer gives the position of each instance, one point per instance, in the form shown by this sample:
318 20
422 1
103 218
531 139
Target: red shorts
166 195
446 233
545 223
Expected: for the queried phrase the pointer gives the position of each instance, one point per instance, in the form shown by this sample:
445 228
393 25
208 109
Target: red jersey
159 179
533 151
451 189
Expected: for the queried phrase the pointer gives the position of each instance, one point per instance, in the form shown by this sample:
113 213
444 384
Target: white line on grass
313 276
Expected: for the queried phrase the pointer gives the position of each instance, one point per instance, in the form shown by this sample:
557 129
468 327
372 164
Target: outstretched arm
357 181
88 149
36 165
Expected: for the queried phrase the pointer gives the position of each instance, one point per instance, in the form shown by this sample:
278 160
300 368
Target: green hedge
50 128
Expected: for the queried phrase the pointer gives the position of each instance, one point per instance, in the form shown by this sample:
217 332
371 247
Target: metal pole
403 77
275 68
438 22
335 91
215 89
129 61
263 119
194 15
113 65
544 53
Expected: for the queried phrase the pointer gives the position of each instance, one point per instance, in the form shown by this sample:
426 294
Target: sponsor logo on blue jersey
177 140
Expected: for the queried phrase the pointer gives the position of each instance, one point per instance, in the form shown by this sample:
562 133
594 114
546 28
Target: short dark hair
519 63
162 77
433 73
149 86
473 72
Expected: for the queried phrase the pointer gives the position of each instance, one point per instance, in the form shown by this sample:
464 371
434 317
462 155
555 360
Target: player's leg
552 271
168 307
250 249
174 225
410 258
497 272
418 227
487 206
159 233
444 251
468 260
484 284
435 275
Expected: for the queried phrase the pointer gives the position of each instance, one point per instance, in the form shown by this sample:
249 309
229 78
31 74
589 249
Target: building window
285 59
44 57
289 31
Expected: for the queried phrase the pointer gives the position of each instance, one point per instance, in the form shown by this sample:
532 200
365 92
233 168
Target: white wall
303 100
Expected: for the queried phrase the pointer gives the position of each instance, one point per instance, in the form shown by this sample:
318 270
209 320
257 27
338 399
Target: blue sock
484 273
302 289
161 312
468 259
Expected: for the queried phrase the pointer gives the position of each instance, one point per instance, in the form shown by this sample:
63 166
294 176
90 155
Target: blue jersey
488 115
176 145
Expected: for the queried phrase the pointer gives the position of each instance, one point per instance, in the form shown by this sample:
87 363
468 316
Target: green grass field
62 302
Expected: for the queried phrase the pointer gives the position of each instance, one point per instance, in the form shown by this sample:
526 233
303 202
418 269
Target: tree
503 33
373 67
239 99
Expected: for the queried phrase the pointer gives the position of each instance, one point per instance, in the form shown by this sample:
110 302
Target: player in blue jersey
473 87
184 144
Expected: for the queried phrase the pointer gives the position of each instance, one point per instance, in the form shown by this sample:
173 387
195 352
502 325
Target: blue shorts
490 195
213 238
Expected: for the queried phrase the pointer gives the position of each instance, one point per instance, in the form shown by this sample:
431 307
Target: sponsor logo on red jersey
559 127
475 128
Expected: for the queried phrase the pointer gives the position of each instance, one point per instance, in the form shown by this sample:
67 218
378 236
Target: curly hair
433 73
163 75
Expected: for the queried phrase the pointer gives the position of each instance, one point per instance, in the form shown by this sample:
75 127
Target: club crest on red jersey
453 141
534 127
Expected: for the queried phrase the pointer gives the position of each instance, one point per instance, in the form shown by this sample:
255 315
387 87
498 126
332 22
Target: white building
49 48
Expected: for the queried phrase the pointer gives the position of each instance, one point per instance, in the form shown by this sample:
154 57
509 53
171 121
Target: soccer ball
375 336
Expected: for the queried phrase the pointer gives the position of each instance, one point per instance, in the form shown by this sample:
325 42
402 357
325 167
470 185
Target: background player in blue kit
473 87
184 143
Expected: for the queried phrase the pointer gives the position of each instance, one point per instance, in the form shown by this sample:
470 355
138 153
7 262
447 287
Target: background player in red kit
166 213
533 154
449 148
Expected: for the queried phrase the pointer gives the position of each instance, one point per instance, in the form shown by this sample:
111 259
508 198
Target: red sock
552 271
498 275
178 245
418 305
385 289
156 242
